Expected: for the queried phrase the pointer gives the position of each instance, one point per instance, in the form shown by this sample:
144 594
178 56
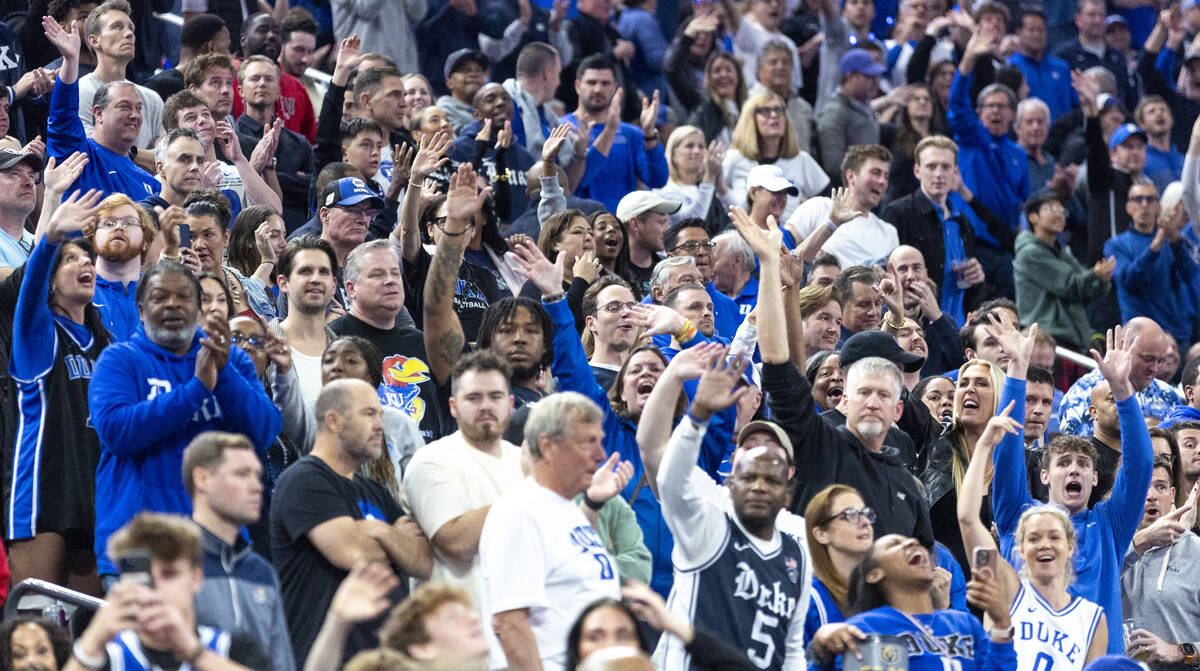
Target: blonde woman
695 179
764 136
1052 628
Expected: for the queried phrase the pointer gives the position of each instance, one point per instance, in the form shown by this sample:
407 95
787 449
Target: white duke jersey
1050 640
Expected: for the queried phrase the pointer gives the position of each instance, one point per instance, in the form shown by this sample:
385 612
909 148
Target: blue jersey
746 597
125 652
958 640
822 610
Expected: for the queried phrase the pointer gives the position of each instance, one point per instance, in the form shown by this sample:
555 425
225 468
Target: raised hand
609 479
431 155
212 175
586 267
691 363
657 320
363 594
555 142
262 242
766 242
649 117
535 267
67 43
701 24
982 42
1117 362
842 208
463 200
718 388
998 426
892 291
1019 347
73 214
60 176
402 160
347 59
36 147
1087 88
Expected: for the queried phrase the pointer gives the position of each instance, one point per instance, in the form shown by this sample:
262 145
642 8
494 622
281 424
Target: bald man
1106 439
921 302
1155 397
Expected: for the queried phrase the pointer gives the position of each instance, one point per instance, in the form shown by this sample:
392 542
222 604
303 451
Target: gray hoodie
1160 592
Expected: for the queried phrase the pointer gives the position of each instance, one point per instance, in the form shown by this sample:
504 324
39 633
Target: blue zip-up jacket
147 404
1153 284
105 170
118 308
1049 80
620 436
241 592
608 178
1102 533
994 167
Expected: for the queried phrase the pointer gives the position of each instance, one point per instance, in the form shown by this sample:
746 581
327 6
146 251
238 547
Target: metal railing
58 593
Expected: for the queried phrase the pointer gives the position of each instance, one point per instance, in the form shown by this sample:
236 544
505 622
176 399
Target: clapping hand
609 479
1104 268
649 117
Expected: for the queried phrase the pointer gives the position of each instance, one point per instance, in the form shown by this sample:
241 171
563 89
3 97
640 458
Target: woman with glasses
57 335
1053 288
695 179
1056 630
208 220
839 531
764 136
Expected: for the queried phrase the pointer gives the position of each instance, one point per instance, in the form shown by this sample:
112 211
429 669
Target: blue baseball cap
349 191
1123 133
860 61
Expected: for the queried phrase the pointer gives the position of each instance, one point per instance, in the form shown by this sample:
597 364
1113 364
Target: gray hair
552 416
1032 104
105 92
1106 80
732 242
165 141
658 278
873 366
996 88
354 260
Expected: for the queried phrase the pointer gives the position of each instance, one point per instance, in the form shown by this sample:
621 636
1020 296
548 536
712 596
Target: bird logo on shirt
400 389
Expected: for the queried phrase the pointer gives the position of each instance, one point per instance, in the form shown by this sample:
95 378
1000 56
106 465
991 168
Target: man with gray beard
150 396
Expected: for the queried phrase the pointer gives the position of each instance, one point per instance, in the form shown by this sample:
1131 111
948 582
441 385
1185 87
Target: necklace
928 632
235 288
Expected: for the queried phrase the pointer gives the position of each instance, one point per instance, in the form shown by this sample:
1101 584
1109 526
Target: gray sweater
1171 612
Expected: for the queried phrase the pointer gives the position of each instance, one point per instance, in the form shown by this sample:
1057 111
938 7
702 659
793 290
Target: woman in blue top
840 533
57 336
890 592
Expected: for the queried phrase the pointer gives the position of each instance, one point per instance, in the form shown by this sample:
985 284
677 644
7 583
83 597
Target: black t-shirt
639 278
476 289
1106 471
310 493
243 649
408 384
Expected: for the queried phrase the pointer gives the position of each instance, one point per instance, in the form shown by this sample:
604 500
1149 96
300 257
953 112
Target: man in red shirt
260 36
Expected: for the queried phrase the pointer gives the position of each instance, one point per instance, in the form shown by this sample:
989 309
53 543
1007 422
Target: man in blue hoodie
154 393
1103 531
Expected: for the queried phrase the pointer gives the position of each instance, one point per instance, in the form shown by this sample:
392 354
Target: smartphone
185 236
984 557
135 565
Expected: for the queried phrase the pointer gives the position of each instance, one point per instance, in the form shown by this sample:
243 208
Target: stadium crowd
549 335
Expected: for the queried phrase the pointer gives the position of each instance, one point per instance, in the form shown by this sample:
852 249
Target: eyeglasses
248 341
1144 200
1056 209
440 224
770 111
693 246
110 224
851 515
995 106
368 212
618 306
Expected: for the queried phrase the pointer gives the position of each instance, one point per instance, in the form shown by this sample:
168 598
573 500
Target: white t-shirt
748 43
152 110
862 241
804 171
448 478
308 371
537 551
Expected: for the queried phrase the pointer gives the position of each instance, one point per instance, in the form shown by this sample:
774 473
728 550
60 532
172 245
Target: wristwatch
1189 654
1003 635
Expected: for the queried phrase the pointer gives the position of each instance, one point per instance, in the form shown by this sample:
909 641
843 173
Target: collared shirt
1157 400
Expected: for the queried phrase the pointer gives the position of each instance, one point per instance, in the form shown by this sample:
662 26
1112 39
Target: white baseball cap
771 178
636 203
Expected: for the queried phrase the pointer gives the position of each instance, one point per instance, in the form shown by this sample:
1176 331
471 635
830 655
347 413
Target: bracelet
888 321
554 298
415 186
194 653
686 332
594 505
830 225
92 663
177 258
455 235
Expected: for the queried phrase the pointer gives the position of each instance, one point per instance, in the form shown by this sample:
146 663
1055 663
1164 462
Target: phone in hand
135 565
185 235
984 557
